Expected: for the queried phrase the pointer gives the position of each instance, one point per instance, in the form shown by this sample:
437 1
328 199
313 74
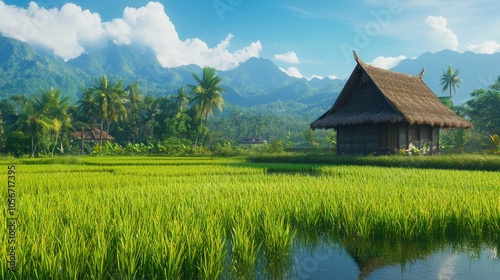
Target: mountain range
476 71
256 83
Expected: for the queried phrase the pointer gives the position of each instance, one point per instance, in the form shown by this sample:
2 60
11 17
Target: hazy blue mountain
115 59
256 75
133 64
476 70
24 71
257 83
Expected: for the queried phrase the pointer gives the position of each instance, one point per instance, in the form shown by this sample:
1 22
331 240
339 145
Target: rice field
210 218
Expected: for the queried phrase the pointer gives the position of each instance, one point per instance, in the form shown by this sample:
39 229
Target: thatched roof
91 134
375 95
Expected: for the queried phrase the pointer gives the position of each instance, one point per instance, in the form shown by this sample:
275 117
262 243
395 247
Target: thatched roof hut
376 99
92 134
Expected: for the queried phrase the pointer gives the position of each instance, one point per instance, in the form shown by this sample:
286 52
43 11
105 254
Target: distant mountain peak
257 73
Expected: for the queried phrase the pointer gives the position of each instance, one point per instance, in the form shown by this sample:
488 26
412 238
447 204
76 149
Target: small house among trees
381 111
93 135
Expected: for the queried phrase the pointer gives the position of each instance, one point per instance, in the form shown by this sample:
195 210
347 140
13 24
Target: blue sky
304 38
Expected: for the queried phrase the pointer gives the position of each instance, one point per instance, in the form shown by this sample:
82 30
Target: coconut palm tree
134 105
116 104
207 93
34 123
150 109
181 99
104 102
450 80
50 104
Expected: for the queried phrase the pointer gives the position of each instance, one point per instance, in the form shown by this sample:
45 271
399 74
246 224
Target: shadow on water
370 256
328 257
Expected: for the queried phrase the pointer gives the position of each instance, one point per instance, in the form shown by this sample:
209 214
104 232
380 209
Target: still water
444 263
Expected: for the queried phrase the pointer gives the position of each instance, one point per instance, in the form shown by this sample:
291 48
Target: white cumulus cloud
288 57
488 47
70 31
67 32
442 36
387 62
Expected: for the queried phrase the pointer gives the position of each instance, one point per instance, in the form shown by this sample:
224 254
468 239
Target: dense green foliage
481 110
210 218
174 125
143 124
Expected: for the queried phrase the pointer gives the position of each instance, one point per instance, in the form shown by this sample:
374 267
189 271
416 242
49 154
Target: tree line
481 110
46 123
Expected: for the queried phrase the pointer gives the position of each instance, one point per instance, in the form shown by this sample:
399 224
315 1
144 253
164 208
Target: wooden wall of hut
386 138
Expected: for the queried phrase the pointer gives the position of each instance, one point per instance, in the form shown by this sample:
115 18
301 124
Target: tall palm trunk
100 133
107 129
33 151
32 145
55 143
203 120
82 140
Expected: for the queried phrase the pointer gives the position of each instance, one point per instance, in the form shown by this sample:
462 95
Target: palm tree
104 101
34 123
181 99
50 104
150 109
134 104
116 104
450 80
207 94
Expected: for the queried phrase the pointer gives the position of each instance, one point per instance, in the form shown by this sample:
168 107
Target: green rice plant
74 253
194 241
185 218
278 245
211 263
171 254
245 251
100 262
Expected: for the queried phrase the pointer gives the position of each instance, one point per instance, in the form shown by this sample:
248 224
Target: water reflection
331 257
354 259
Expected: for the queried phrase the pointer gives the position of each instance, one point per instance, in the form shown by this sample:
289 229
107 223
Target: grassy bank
451 162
